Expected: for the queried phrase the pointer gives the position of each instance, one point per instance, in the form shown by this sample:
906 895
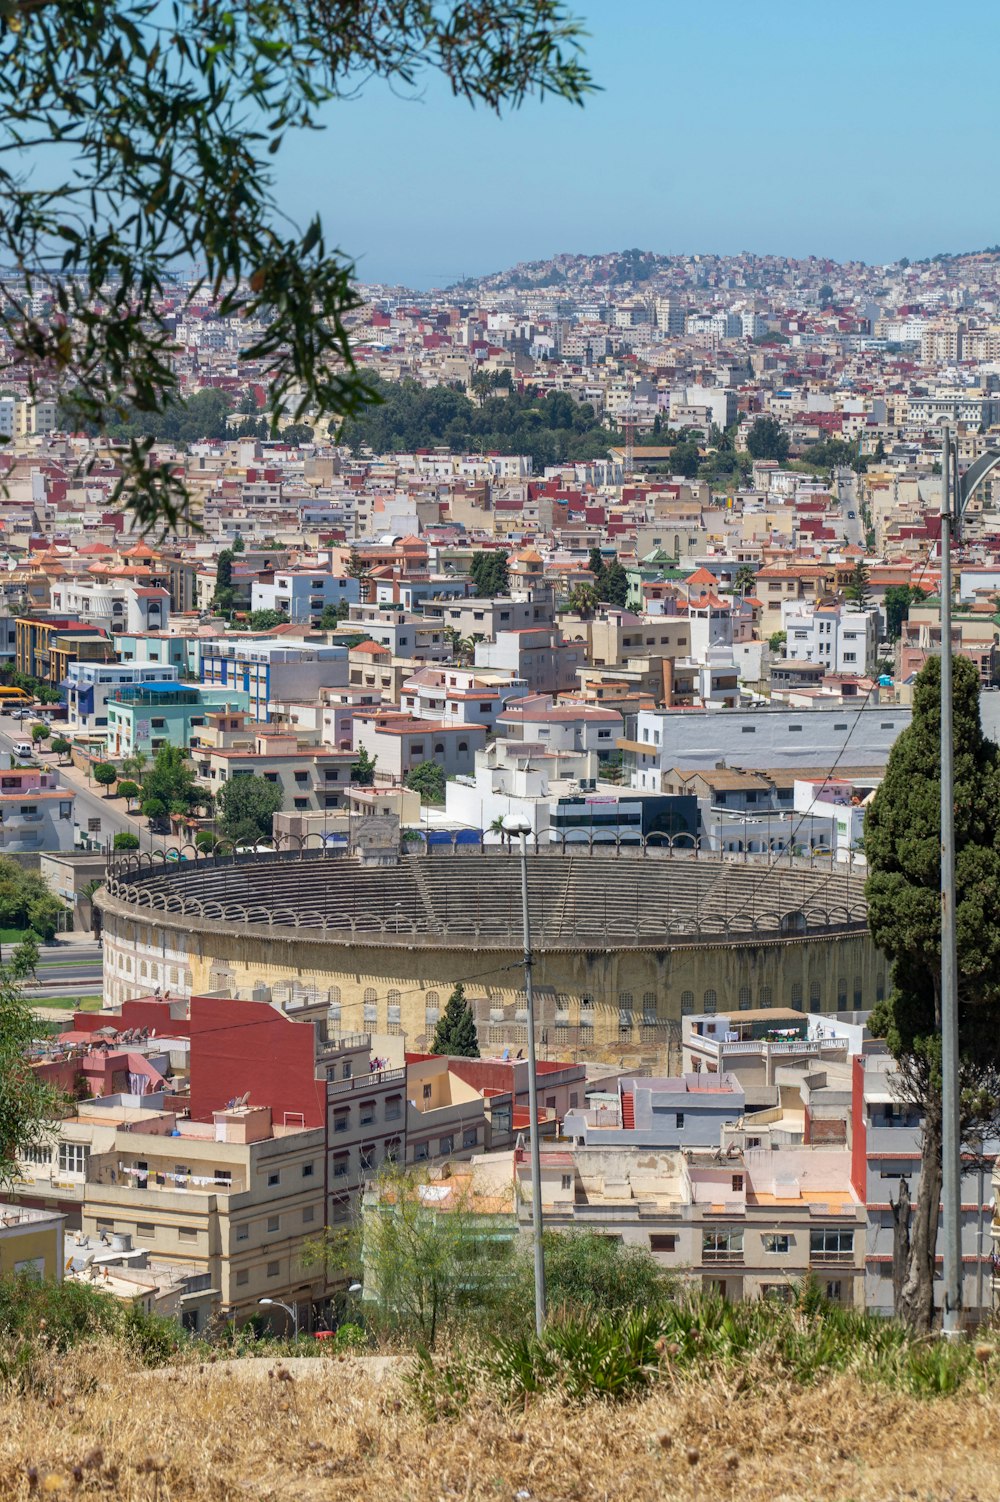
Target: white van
23 750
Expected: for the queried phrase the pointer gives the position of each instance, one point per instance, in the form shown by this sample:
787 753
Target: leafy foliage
105 773
490 573
61 746
428 779
157 124
25 900
767 439
28 1103
39 1316
169 786
363 770
246 807
455 1034
126 840
553 429
897 601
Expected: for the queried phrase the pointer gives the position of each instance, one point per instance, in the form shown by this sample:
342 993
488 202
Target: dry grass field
345 1429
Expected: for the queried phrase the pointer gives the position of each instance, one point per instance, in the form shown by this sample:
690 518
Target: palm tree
497 827
583 600
745 580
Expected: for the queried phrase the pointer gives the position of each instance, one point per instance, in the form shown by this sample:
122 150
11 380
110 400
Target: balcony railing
722 1254
831 1259
366 1081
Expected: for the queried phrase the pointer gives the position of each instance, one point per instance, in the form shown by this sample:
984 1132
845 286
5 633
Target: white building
759 738
88 686
843 639
302 595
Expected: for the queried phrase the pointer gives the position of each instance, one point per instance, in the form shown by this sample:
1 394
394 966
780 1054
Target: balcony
366 1081
723 1256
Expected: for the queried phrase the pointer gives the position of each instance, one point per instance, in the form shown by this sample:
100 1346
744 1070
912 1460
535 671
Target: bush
206 840
126 840
39 1317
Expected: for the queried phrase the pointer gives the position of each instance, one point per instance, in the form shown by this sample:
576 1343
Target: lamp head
517 824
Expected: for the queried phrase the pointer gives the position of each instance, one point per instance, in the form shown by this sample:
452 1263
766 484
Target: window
37 1154
678 1121
776 1242
737 1183
662 1242
794 729
393 1107
243 1277
308 1170
73 1157
470 1137
835 1291
722 1246
145 1228
366 1112
765 995
272 1269
687 1003
747 730
831 1245
711 1001
815 995
302 777
446 1145
274 1222
273 1179
421 1152
243 1233
186 1233
858 993
746 998
428 1091
841 993
796 997
341 1119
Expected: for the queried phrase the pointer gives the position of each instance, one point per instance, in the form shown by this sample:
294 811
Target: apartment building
36 813
460 696
687 1112
401 742
303 594
311 777
842 639
144 716
113 605
88 685
268 670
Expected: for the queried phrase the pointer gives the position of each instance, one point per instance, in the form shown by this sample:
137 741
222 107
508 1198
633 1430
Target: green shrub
38 1317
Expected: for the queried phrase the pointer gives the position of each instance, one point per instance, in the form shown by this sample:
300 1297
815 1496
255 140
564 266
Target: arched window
711 1001
815 996
746 998
371 1006
687 1003
333 996
841 993
463 746
858 993
765 995
796 996
649 1017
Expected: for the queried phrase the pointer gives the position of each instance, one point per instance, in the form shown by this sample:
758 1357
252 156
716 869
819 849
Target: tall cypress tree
455 1033
902 846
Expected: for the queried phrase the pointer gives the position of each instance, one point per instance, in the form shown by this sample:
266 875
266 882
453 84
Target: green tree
879 454
685 459
24 961
247 806
777 640
596 562
825 295
356 565
266 620
583 600
332 615
858 589
363 770
40 733
239 546
428 779
134 765
455 1033
128 790
490 574
897 601
61 746
167 128
744 580
169 786
614 585
767 439
902 845
28 1103
586 1272
106 774
224 593
126 840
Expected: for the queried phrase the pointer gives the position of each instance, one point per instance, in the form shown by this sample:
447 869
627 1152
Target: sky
861 129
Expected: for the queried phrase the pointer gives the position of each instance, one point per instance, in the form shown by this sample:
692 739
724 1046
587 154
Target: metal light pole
956 491
289 1309
951 1148
519 825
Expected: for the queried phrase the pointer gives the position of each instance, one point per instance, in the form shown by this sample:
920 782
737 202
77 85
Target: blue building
689 1111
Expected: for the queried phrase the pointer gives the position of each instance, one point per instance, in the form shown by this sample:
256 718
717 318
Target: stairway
628 1111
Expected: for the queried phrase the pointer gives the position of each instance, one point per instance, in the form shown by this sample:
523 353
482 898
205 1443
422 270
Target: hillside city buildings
716 571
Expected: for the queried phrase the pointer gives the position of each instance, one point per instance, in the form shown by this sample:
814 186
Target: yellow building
31 1241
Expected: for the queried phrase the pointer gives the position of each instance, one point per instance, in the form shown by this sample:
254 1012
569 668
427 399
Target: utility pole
518 824
951 1145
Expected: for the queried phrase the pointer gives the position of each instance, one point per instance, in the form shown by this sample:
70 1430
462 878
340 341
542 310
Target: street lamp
956 492
518 824
290 1309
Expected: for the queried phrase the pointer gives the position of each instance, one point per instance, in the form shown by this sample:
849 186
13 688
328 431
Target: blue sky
846 129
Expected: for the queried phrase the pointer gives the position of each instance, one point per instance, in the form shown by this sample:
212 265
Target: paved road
75 969
847 496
